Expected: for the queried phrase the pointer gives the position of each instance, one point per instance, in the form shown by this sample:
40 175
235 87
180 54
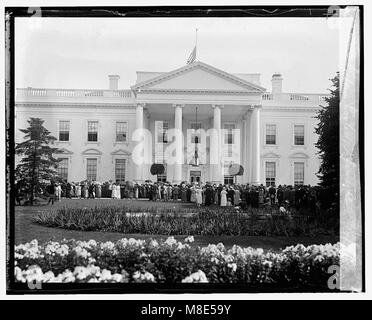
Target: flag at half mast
192 56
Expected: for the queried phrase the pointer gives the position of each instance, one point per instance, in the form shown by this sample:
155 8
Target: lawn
26 230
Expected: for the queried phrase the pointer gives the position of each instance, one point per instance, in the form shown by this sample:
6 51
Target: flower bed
182 221
170 261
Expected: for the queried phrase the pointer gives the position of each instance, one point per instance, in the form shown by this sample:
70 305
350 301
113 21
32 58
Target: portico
221 110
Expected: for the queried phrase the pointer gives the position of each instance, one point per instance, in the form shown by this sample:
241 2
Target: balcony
74 95
306 99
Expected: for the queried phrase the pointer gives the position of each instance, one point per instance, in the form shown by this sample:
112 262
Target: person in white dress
223 197
199 196
78 190
118 191
113 191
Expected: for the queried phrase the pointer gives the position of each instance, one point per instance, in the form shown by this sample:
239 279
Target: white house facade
271 135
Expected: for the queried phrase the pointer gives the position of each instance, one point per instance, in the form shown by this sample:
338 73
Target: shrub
170 261
185 221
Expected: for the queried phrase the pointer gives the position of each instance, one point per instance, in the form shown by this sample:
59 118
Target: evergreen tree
329 145
37 163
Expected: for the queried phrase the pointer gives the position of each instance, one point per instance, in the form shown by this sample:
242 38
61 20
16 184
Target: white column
139 125
256 157
243 152
215 146
177 177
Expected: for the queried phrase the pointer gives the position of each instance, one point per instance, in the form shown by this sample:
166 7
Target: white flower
105 275
67 276
232 266
81 252
154 243
189 239
116 277
170 241
81 273
196 277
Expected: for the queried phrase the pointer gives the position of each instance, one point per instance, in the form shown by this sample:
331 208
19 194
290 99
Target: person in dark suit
68 190
208 195
230 194
280 195
51 188
272 194
91 191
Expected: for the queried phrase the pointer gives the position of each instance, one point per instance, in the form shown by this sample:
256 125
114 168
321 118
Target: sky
81 52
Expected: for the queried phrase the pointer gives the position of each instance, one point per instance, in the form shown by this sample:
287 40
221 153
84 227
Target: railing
296 97
267 96
36 92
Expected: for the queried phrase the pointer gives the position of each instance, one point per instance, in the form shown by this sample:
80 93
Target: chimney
276 83
114 79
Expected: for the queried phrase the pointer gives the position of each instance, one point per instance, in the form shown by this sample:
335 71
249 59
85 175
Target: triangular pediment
120 152
198 76
270 155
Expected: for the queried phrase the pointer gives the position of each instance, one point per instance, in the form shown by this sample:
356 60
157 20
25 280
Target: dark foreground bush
200 221
170 261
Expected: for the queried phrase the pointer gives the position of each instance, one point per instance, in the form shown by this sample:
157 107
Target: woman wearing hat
223 197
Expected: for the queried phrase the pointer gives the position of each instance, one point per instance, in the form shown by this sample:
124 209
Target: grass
26 230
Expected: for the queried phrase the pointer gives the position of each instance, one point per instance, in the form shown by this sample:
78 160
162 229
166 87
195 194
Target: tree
37 163
328 144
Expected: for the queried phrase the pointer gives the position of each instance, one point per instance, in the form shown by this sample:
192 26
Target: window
163 177
227 178
62 169
64 130
120 170
299 135
229 133
270 134
92 169
93 131
121 131
162 131
229 150
195 137
270 173
299 173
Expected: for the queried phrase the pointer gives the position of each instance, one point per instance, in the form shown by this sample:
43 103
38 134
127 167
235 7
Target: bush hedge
186 221
170 261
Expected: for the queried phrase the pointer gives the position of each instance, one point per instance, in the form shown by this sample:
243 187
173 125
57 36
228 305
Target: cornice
199 65
74 104
200 91
290 108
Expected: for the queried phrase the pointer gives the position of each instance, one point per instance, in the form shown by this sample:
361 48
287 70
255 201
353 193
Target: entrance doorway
195 176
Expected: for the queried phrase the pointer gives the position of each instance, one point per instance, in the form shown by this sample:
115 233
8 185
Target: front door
195 176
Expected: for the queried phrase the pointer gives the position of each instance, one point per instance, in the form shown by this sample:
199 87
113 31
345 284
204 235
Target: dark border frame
152 11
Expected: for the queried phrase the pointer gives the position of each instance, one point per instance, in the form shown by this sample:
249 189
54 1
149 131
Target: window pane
92 130
299 173
120 170
270 134
162 132
299 135
92 169
270 173
163 177
229 133
64 130
62 169
121 131
195 137
228 179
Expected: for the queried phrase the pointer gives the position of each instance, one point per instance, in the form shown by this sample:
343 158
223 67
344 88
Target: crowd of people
243 195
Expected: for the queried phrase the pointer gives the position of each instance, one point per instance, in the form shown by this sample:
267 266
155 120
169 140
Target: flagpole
196 43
